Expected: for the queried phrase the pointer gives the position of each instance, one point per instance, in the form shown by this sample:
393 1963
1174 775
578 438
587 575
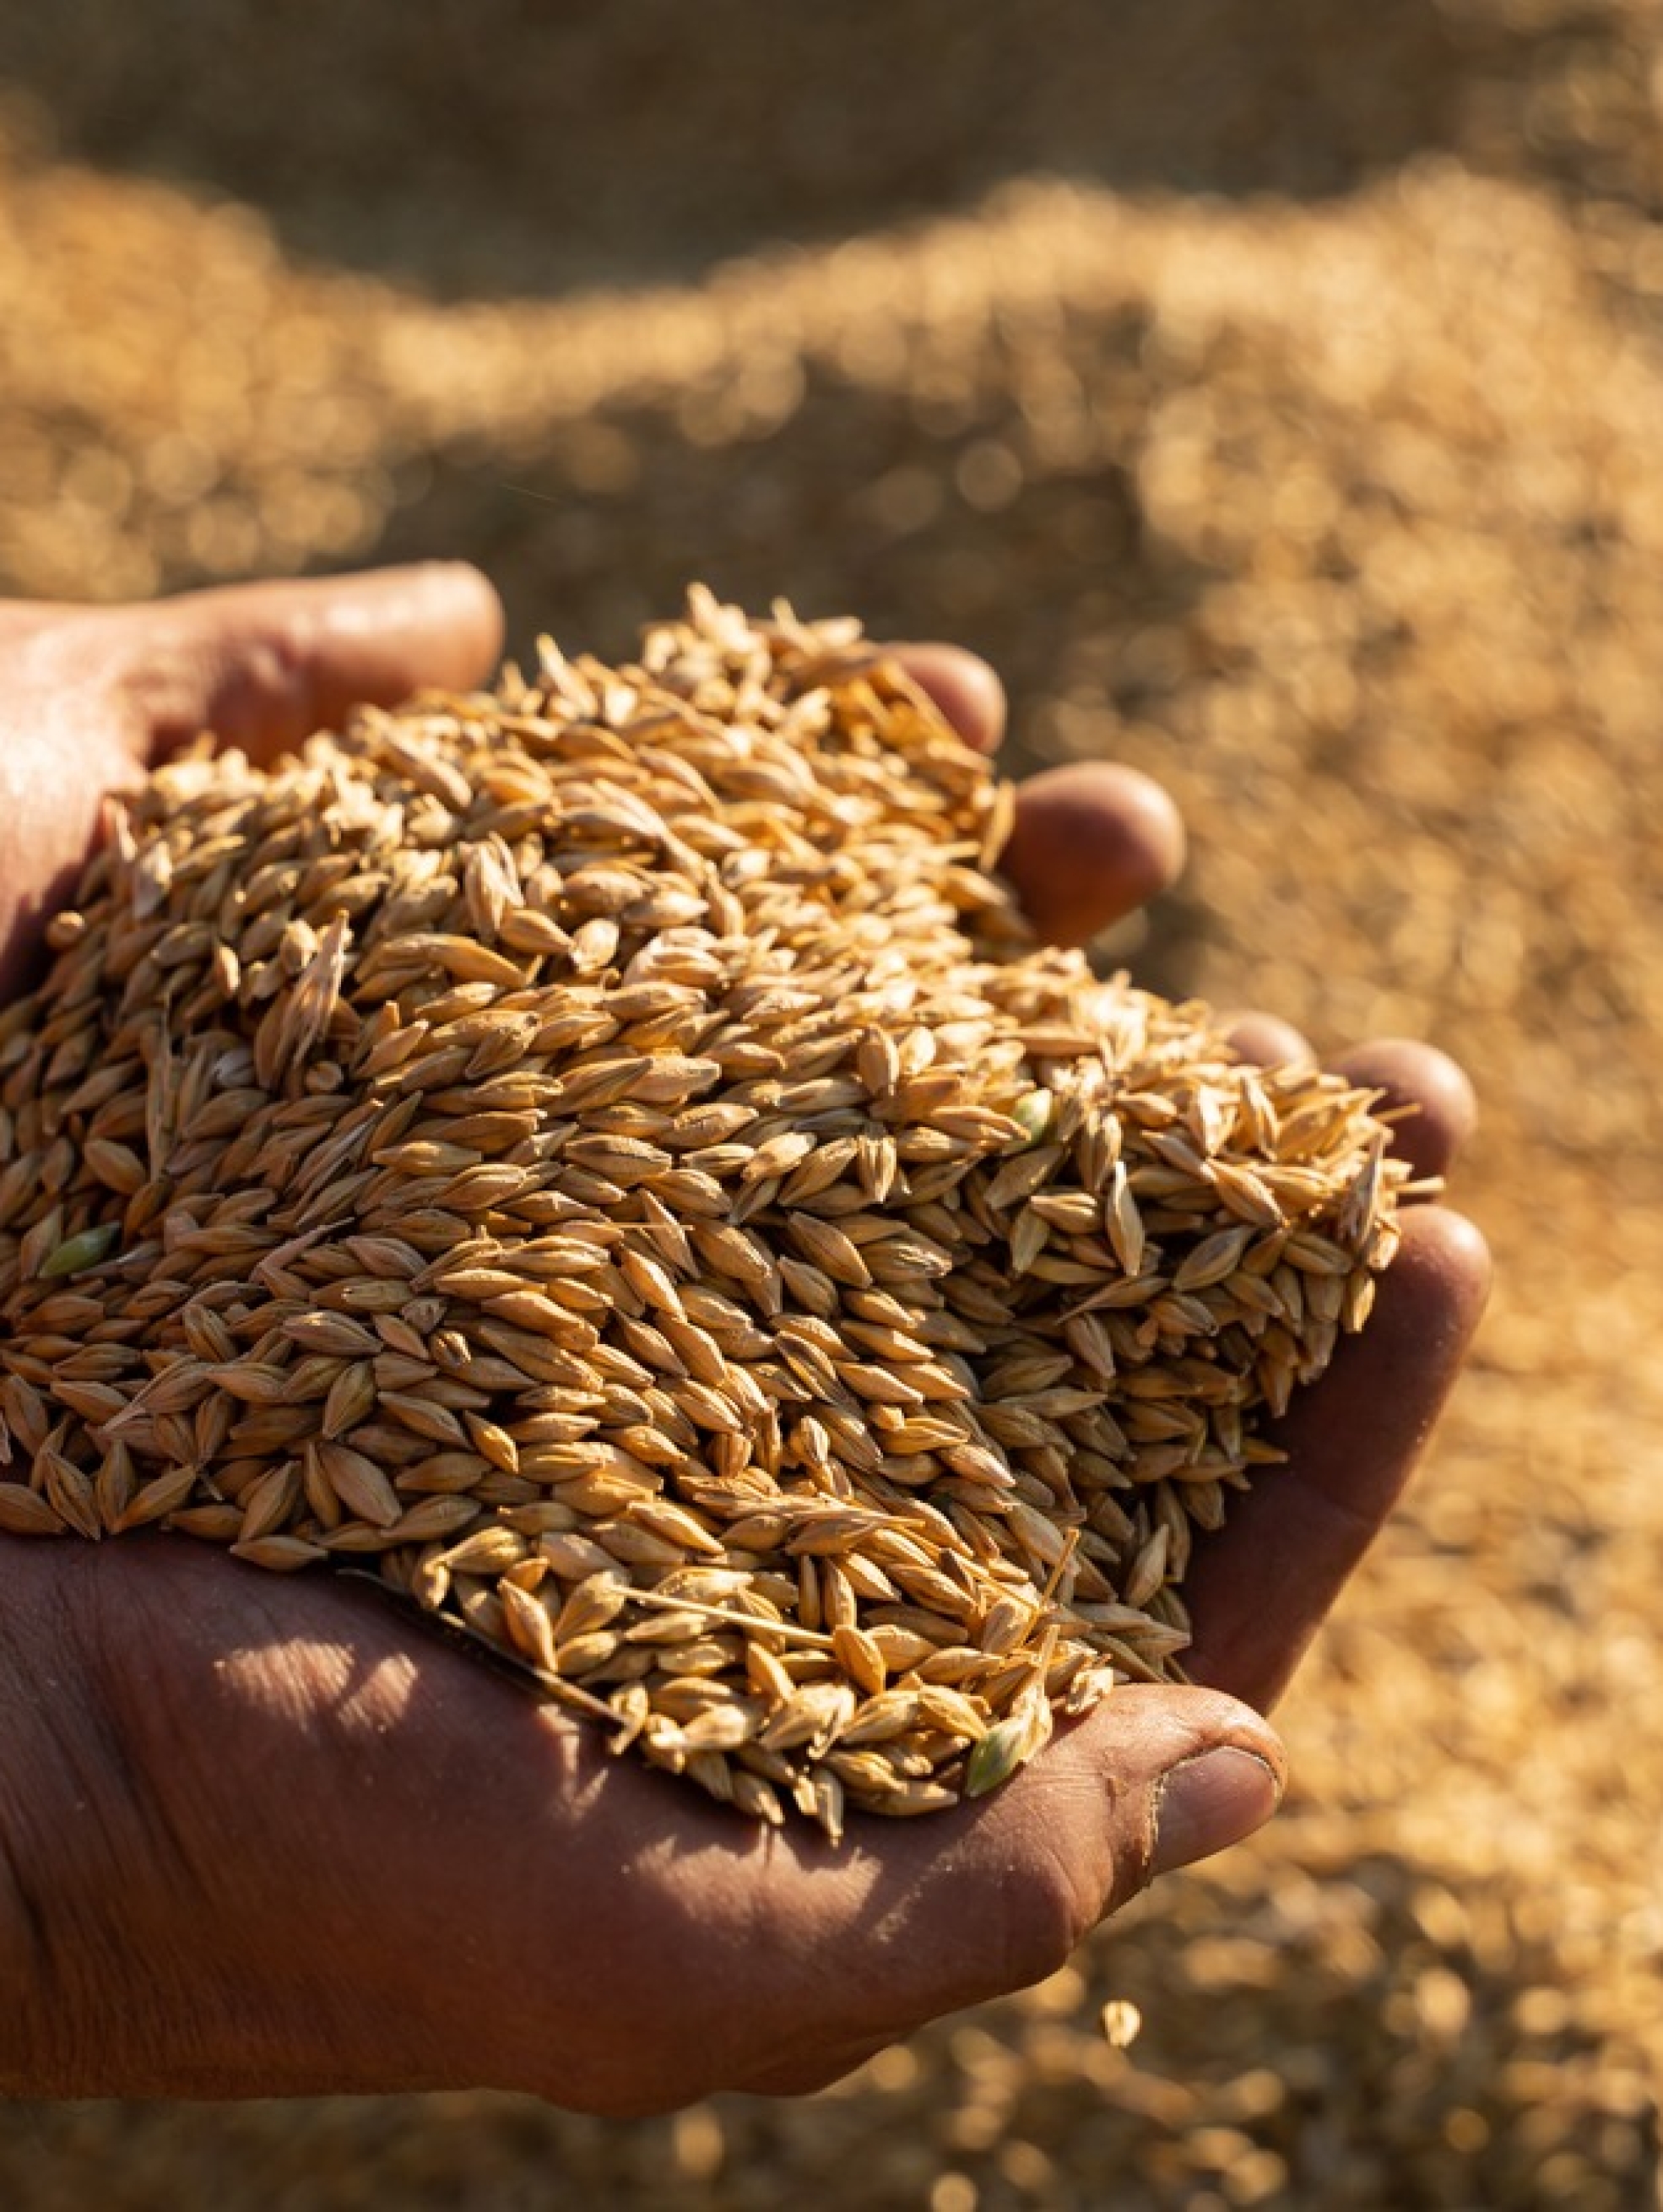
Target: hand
93 697
259 1838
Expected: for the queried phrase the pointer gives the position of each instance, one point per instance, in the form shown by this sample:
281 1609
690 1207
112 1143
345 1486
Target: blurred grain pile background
1274 389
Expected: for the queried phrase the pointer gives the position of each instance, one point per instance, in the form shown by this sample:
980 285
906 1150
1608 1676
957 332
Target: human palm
260 1836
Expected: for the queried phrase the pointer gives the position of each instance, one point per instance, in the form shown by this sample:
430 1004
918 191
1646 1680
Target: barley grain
612 1135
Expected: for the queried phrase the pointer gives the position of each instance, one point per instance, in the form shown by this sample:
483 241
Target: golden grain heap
606 1157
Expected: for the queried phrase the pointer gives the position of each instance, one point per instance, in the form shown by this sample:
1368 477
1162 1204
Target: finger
1265 1040
1432 1094
1092 841
264 665
964 687
1258 1589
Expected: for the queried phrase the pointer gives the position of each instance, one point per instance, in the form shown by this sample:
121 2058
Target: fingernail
1211 1803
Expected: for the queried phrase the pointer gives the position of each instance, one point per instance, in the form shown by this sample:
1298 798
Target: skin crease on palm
256 1837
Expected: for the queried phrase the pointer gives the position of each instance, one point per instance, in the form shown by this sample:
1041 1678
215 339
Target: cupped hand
261 1837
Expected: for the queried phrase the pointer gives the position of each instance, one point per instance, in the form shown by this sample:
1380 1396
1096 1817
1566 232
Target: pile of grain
607 1153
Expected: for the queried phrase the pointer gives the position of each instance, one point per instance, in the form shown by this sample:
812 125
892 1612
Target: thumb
265 665
994 1896
1153 1779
